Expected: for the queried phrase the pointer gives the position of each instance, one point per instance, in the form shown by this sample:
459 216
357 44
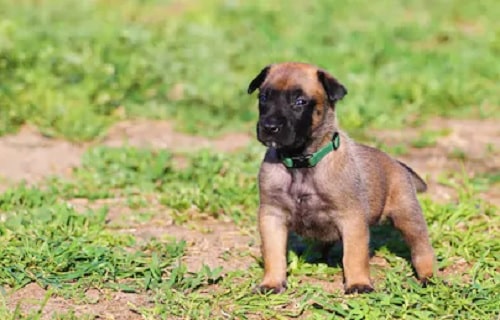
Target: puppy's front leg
355 238
273 234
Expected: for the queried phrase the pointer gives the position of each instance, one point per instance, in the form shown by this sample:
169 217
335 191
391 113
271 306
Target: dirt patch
468 146
105 304
459 268
217 244
211 242
30 156
118 212
161 135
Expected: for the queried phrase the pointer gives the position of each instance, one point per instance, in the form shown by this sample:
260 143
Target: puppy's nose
272 126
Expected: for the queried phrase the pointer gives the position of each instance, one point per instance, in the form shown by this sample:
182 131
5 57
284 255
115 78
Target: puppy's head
293 99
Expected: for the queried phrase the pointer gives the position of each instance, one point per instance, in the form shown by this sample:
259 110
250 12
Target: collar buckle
311 160
301 161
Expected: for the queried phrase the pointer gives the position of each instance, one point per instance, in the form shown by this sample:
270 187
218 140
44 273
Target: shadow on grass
381 236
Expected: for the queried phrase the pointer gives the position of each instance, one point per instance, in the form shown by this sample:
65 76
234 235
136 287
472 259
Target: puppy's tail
420 184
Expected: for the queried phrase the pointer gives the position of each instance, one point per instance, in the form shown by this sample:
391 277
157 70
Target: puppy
316 181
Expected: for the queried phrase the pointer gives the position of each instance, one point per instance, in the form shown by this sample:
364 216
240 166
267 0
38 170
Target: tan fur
350 189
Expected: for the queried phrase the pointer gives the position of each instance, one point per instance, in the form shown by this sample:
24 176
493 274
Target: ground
128 163
32 157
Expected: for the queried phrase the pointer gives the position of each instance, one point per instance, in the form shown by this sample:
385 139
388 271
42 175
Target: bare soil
211 242
471 147
29 156
100 304
161 135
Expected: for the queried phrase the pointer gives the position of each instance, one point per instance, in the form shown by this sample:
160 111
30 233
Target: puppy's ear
259 79
334 89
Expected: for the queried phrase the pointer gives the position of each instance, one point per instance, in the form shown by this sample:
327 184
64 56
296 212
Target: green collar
312 159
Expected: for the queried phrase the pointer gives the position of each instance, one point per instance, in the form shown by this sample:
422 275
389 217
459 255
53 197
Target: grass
215 184
74 250
77 250
73 68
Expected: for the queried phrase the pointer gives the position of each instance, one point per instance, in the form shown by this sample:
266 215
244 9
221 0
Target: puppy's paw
359 288
426 282
432 280
275 288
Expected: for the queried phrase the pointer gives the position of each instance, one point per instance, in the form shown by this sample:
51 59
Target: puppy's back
378 163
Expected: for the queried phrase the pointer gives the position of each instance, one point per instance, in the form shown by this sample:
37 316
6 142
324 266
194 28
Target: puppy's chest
301 198
306 204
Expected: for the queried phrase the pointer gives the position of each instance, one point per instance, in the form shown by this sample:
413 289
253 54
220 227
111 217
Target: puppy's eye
300 102
262 98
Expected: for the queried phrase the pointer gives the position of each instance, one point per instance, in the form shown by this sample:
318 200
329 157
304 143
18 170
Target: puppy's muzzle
272 126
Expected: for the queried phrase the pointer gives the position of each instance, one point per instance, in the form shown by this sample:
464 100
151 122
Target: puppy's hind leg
407 217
